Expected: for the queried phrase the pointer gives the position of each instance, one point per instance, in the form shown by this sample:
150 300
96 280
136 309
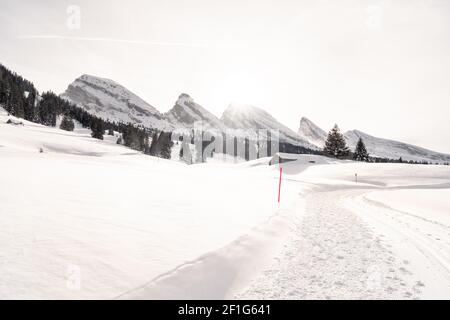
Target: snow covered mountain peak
108 99
184 99
113 89
246 116
311 132
249 117
95 79
186 112
243 110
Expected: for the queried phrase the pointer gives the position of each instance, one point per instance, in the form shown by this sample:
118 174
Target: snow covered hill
186 112
378 147
22 136
250 117
114 216
110 100
394 149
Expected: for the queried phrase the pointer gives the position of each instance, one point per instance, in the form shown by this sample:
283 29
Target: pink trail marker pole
279 184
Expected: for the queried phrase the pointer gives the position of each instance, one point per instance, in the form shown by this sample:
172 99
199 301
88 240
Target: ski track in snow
349 247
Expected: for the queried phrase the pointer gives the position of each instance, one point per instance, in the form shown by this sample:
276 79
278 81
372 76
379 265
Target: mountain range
109 100
377 147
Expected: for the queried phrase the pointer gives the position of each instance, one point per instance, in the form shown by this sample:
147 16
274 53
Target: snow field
93 219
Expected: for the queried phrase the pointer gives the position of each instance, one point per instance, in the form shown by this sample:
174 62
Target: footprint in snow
408 295
420 284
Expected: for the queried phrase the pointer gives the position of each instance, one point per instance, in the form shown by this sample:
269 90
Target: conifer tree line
17 95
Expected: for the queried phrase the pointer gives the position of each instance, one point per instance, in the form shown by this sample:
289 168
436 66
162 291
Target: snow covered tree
335 144
361 153
67 123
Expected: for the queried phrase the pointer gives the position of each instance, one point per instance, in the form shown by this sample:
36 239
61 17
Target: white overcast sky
379 66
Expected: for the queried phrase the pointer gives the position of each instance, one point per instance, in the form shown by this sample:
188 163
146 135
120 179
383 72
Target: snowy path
423 244
349 247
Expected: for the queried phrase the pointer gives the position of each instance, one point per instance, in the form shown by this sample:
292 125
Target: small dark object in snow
41 150
14 123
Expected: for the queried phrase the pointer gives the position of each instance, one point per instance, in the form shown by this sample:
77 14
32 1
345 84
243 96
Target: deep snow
121 217
92 219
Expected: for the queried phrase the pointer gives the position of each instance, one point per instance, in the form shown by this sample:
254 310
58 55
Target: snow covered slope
377 147
186 112
92 219
81 220
110 100
29 137
311 132
250 117
394 149
385 237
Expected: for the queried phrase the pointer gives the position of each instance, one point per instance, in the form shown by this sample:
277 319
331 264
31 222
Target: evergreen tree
166 144
335 144
67 123
135 138
153 145
97 127
146 144
50 107
29 105
161 145
16 103
361 153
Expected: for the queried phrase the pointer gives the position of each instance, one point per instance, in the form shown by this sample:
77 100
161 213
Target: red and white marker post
279 184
